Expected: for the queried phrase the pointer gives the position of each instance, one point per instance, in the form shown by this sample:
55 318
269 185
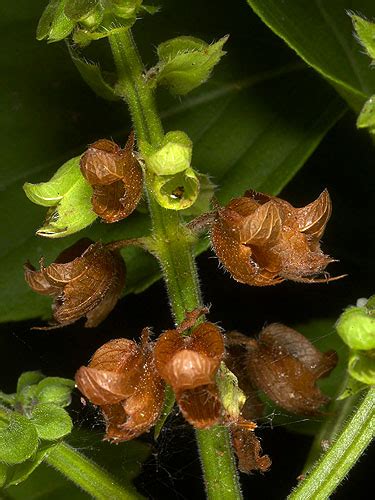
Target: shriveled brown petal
188 362
201 406
102 387
116 177
95 292
237 258
277 336
248 450
287 380
312 219
38 282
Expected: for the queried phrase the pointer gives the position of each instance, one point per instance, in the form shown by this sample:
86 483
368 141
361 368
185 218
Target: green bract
68 195
231 396
178 191
362 366
89 12
54 25
356 326
173 156
185 63
366 33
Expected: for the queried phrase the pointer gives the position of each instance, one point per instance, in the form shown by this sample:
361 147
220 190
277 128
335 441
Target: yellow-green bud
178 191
356 326
173 156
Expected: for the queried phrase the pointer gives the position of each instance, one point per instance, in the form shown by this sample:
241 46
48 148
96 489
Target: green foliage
31 422
321 33
54 25
185 63
366 33
68 195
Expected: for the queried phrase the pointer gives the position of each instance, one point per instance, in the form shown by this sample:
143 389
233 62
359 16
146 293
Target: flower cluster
127 381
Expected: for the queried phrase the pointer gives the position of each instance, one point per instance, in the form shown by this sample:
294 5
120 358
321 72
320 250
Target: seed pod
263 240
286 366
116 178
189 365
122 380
85 280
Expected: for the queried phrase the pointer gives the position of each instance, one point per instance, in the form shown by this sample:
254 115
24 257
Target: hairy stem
332 468
86 475
174 249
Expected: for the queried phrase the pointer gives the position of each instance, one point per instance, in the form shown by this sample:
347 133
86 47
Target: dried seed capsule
85 280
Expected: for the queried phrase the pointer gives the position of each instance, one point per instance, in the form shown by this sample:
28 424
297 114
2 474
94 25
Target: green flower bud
185 63
124 8
365 31
55 390
88 12
366 118
54 25
362 366
231 396
176 192
173 156
68 195
356 326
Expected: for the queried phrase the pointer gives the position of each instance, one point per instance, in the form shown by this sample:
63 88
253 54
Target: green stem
338 411
174 250
87 475
342 455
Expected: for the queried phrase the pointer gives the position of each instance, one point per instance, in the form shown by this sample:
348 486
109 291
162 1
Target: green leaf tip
176 192
366 118
173 156
365 31
185 63
68 196
356 325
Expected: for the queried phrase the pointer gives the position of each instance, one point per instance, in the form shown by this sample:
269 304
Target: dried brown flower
248 448
189 365
285 365
116 177
85 280
122 380
263 240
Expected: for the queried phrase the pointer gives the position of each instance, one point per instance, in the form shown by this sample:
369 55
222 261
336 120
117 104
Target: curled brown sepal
286 366
121 378
263 240
248 448
85 280
189 365
116 178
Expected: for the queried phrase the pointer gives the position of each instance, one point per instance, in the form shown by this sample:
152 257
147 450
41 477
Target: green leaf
322 34
55 390
251 124
18 440
366 118
362 366
366 33
28 378
93 76
54 25
20 472
51 421
69 196
185 63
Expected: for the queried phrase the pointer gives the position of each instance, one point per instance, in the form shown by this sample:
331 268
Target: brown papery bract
116 178
248 449
286 366
189 365
121 378
85 280
263 240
